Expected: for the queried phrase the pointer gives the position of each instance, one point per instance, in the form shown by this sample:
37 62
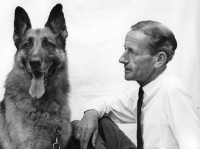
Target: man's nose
123 59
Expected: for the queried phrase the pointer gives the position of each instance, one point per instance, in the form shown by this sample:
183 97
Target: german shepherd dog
34 113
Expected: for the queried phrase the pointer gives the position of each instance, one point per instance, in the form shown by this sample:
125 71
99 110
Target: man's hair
160 37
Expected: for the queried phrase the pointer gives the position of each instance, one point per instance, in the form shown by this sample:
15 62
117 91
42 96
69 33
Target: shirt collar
150 87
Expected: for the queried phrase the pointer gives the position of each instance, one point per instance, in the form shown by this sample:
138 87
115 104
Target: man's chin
128 78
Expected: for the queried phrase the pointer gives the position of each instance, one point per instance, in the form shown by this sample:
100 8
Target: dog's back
35 113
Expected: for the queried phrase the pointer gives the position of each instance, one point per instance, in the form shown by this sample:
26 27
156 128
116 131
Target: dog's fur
34 111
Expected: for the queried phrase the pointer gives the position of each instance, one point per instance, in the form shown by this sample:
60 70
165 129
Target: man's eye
132 51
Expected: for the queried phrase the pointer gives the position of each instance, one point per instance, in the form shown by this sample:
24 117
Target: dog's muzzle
39 77
35 63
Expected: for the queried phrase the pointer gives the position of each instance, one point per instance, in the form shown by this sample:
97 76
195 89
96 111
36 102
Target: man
165 112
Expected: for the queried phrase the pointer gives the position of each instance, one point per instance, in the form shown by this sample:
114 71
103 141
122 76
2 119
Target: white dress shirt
169 115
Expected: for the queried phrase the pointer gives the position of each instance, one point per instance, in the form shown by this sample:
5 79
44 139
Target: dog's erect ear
56 21
21 24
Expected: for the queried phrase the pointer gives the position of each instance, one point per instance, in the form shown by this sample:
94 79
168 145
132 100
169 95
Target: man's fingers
85 128
77 132
86 139
94 137
82 137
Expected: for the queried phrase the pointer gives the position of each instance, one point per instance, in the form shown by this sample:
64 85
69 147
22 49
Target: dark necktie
139 131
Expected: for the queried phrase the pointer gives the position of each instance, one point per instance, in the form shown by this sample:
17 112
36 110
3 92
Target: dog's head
40 51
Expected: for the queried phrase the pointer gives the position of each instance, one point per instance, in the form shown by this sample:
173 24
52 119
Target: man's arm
119 108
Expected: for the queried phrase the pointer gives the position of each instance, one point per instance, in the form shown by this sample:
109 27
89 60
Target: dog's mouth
39 81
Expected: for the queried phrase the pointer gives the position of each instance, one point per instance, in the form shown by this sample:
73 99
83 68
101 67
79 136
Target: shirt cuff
95 106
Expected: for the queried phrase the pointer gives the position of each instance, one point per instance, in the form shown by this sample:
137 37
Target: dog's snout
35 62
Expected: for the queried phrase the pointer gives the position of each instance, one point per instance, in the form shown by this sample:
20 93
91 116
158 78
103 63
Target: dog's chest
38 117
50 122
41 129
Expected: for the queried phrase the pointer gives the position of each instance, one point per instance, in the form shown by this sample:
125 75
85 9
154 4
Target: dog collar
56 144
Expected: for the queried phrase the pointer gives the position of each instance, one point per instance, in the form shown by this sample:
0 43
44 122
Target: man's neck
155 73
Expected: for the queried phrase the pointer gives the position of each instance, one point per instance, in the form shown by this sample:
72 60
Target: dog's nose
35 62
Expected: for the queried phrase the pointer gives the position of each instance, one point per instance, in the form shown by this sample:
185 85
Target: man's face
138 63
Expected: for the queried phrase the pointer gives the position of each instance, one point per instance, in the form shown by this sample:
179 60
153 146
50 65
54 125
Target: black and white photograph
100 74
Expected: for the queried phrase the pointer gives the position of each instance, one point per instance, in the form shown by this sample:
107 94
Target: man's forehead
135 36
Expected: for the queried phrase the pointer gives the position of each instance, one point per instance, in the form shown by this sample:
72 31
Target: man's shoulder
172 80
174 83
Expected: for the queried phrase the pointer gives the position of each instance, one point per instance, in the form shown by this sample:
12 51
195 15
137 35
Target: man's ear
160 59
56 21
21 25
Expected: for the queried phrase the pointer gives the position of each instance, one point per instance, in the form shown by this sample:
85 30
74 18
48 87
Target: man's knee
106 123
104 120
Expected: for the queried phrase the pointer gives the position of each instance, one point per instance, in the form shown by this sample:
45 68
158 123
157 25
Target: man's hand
87 127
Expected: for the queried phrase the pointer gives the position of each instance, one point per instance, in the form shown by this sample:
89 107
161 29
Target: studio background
97 30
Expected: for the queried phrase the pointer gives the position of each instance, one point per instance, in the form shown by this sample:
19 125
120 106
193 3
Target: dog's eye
27 45
48 44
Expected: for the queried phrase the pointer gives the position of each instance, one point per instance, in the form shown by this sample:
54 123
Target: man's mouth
39 81
127 70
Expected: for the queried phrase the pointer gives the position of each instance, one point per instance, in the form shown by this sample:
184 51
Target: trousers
109 137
